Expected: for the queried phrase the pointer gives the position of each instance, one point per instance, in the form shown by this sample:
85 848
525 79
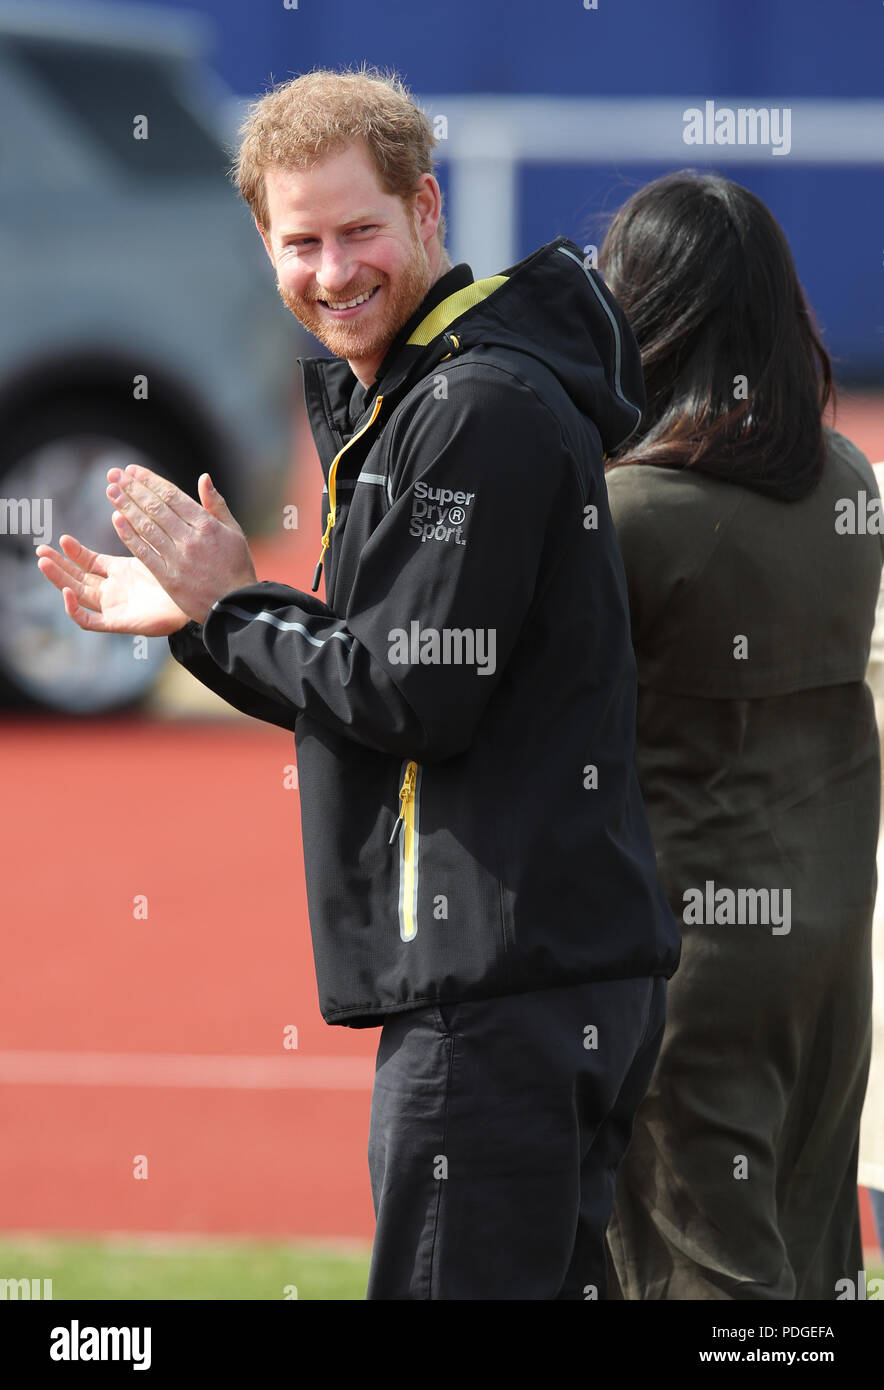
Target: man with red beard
480 875
355 289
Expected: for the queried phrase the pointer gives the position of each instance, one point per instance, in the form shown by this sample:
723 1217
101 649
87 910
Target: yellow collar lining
438 319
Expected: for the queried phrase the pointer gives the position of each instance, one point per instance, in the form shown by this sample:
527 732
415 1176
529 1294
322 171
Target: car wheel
46 661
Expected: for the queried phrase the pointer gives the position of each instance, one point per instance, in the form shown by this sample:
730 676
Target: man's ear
266 240
427 207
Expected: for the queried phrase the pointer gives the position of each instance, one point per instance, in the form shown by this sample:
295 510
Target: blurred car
139 318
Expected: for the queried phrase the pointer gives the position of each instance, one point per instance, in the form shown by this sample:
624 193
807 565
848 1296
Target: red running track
198 821
195 817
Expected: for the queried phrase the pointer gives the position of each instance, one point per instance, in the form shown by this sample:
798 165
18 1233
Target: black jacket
464 702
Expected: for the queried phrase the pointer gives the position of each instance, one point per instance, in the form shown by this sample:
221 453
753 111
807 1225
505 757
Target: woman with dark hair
753 564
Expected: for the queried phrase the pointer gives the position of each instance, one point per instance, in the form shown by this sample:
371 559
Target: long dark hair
706 278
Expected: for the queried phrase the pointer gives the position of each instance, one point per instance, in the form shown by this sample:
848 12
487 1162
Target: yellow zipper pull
325 540
406 794
332 499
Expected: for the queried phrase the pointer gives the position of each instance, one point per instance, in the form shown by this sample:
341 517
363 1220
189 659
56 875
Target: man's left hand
197 553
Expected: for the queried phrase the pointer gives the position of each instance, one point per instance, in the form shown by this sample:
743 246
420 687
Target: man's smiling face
352 262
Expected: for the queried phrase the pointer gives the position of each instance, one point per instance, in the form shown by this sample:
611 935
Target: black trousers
496 1130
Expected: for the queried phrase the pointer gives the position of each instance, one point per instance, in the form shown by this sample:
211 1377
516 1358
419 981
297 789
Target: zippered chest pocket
406 835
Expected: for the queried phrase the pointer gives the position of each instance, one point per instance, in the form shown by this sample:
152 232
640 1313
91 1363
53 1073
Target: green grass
139 1267
171 1268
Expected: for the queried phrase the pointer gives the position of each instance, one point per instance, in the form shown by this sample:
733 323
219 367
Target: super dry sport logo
439 514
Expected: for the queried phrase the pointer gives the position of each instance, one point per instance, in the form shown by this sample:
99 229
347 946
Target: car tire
61 454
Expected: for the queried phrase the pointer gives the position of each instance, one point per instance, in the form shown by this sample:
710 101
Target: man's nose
335 269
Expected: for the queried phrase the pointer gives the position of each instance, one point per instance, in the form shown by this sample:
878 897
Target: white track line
292 1072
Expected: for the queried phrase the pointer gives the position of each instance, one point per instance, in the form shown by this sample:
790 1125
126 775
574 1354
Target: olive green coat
759 761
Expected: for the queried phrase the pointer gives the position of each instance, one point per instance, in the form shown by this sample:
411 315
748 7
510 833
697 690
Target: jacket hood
548 306
552 308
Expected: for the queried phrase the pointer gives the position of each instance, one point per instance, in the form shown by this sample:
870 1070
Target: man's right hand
109 593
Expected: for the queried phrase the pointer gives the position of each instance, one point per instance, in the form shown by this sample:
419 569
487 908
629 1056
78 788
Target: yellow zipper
430 327
453 338
407 830
433 324
332 490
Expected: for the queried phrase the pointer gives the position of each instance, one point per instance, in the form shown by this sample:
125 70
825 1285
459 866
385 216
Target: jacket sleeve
444 584
188 648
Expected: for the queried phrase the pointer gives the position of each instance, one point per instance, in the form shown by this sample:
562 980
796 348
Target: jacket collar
334 398
361 397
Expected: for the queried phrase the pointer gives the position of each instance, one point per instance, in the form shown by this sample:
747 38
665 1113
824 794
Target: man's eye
369 227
